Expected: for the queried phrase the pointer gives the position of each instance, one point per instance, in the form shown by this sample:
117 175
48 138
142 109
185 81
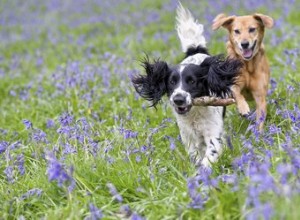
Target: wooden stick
212 101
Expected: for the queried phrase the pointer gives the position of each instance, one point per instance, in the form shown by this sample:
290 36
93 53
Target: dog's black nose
245 45
179 100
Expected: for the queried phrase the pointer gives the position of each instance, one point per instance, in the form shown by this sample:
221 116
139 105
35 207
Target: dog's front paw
206 162
195 158
243 109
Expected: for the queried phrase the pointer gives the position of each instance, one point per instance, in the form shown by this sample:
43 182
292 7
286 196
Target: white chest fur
201 131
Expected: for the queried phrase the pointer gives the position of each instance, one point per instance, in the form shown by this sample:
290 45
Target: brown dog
245 42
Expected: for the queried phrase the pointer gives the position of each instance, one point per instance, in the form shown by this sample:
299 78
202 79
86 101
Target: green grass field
76 141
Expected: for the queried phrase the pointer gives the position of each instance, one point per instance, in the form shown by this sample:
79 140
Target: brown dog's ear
222 20
266 20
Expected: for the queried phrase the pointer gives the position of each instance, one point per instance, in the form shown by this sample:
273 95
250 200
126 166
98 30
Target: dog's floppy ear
152 86
222 20
267 21
221 74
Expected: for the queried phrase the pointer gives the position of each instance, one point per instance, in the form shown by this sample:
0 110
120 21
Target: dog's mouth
183 109
248 53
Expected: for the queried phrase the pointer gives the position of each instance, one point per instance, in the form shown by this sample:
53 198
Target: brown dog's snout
245 44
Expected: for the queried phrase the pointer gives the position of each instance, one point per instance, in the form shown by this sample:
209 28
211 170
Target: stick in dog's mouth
212 101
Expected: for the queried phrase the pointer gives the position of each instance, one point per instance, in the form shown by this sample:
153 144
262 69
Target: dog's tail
189 31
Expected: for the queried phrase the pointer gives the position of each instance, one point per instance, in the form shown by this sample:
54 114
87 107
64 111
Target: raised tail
189 31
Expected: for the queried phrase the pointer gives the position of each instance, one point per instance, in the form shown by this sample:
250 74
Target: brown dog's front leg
261 109
241 103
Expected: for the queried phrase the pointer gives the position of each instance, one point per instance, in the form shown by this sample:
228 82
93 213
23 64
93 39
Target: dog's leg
261 108
241 103
192 144
214 149
196 152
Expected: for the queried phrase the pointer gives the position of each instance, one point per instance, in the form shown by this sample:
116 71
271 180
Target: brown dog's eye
251 30
237 31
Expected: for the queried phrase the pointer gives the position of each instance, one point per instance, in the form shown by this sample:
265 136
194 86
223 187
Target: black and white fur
199 74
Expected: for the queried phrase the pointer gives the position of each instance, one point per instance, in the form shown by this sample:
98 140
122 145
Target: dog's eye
190 81
237 31
252 30
172 82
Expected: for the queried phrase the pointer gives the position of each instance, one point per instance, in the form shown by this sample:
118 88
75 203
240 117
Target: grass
73 59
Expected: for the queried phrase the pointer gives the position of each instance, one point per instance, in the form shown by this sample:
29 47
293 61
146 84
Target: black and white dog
199 74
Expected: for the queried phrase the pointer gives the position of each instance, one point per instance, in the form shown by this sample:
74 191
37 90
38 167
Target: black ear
221 74
152 86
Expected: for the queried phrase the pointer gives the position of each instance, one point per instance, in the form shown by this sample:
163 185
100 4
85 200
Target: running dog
246 34
199 74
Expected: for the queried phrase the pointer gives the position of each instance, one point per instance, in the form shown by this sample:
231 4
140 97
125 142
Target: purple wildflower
3 131
65 130
95 213
231 179
24 94
39 61
56 171
263 210
135 216
267 211
27 124
198 188
129 115
241 162
285 170
138 158
198 198
261 181
154 131
273 129
12 93
15 145
69 149
290 88
66 119
253 128
259 174
204 176
79 137
144 148
93 147
128 133
152 177
253 196
39 136
85 125
9 172
50 123
3 146
172 142
269 140
72 181
273 86
2 72
113 191
32 192
20 164
246 142
125 211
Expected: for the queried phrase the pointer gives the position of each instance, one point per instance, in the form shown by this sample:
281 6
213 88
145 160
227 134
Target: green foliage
152 182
